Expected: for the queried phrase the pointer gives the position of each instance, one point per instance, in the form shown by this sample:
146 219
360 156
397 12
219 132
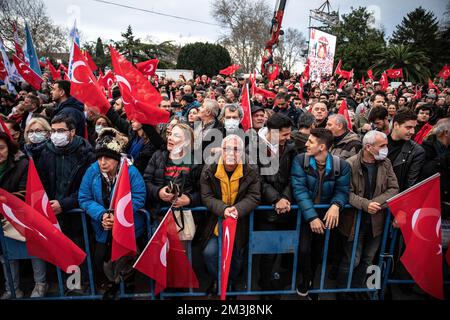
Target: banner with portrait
321 51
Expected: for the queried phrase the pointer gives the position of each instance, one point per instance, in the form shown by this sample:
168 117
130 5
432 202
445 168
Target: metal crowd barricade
260 242
393 235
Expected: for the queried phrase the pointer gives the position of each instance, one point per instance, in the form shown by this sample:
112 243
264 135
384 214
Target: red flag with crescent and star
140 99
417 211
148 68
245 103
36 196
394 73
123 232
43 239
228 234
28 74
18 48
55 74
343 110
164 258
84 85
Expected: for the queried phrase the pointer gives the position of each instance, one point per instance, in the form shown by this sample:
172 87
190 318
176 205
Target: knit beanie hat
110 143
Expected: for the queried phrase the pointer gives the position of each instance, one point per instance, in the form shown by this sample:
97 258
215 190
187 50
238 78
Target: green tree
420 30
357 43
413 63
136 50
203 58
100 57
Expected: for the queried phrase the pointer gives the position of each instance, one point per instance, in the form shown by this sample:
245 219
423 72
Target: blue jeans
365 253
39 272
211 256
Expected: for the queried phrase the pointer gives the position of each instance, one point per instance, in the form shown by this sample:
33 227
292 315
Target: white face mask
231 124
60 139
37 137
382 154
98 128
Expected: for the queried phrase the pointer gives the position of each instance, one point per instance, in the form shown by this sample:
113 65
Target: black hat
188 98
110 143
257 108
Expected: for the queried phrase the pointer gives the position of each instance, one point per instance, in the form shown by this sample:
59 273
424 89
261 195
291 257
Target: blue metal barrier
260 242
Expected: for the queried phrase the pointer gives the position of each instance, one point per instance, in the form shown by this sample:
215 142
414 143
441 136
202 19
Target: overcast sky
96 19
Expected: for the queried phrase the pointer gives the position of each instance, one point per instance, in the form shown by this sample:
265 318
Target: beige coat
386 187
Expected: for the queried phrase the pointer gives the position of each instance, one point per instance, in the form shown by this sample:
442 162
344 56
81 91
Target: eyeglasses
59 130
37 131
229 150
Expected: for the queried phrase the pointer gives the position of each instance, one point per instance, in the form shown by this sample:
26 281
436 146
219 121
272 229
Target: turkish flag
343 109
417 211
228 234
63 68
36 196
445 72
341 84
3 71
107 81
394 73
164 258
4 128
91 62
140 99
275 72
84 86
265 93
422 133
123 232
229 70
363 82
28 74
338 68
305 73
55 74
43 239
300 89
148 68
431 85
346 74
384 81
417 94
245 103
370 74
18 48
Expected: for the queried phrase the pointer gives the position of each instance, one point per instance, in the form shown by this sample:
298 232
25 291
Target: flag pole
157 229
414 187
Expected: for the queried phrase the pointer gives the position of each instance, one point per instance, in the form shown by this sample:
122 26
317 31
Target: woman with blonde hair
37 133
173 165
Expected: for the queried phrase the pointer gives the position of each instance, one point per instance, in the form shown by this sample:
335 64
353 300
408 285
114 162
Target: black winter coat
155 181
80 152
14 179
156 141
408 164
74 109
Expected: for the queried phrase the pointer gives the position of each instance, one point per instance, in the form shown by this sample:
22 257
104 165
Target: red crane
275 32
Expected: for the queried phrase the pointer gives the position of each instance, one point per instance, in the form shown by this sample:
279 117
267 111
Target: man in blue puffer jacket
95 197
317 178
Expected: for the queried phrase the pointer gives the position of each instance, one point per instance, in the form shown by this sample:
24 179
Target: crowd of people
299 151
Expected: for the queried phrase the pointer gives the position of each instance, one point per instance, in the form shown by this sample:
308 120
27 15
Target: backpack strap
306 162
336 166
